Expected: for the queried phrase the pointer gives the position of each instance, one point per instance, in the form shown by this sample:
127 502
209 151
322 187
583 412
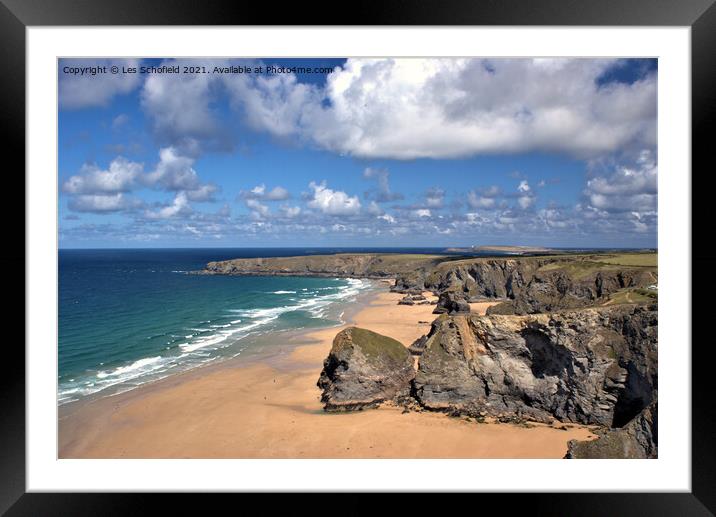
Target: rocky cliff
359 265
575 339
530 285
594 366
636 440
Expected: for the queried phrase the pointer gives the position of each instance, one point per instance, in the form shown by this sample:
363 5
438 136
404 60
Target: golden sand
271 409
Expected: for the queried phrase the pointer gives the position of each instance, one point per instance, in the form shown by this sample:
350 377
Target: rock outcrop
529 285
410 282
593 366
417 347
478 279
450 302
364 369
574 338
636 440
413 299
564 288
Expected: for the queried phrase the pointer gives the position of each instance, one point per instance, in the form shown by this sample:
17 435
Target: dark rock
412 299
532 285
593 366
636 440
418 345
550 290
450 302
483 278
364 369
410 282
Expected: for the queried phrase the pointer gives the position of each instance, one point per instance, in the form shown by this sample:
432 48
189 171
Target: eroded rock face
363 370
530 285
482 278
451 302
593 366
417 347
410 282
559 289
636 440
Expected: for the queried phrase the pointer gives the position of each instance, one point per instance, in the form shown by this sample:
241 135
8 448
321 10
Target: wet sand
270 408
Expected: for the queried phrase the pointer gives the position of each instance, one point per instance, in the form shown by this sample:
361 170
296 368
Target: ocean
131 316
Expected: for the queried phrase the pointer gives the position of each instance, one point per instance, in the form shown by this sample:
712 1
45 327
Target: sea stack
363 370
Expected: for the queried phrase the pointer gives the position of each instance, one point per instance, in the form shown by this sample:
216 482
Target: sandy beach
270 408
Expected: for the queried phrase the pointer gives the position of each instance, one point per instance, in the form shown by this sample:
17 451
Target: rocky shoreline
574 339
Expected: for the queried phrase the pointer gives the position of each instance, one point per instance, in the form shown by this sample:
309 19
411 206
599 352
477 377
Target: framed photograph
423 252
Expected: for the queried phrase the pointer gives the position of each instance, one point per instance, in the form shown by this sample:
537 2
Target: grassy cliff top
631 259
391 264
581 260
376 346
583 266
342 264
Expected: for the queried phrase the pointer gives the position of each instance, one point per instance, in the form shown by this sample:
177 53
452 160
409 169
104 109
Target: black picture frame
699 15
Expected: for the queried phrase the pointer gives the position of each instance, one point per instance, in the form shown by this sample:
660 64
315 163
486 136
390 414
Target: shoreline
258 352
268 406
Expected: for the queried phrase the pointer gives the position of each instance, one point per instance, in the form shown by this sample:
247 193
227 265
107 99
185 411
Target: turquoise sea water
127 317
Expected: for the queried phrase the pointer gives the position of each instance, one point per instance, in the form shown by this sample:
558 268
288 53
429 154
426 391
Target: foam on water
135 366
193 346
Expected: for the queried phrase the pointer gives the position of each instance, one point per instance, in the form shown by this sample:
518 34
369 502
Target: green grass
632 259
647 293
581 266
397 256
374 345
461 260
578 269
584 263
630 295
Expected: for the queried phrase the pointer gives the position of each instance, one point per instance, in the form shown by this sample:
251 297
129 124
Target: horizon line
356 247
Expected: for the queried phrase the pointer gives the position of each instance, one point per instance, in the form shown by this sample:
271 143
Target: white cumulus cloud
258 209
628 188
120 176
476 200
179 206
423 108
332 202
174 171
99 203
447 108
290 211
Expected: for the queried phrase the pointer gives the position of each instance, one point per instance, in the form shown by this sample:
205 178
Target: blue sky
354 152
